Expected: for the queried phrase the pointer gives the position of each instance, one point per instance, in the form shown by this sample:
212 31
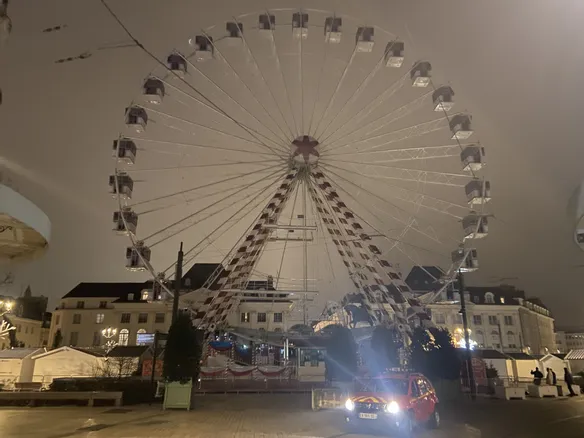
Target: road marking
561 420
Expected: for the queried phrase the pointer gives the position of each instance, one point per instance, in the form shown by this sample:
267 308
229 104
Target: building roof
502 295
561 356
19 353
97 352
575 354
105 290
128 351
197 275
486 354
423 278
521 356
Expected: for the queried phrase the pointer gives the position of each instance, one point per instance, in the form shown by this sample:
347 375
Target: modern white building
569 339
499 318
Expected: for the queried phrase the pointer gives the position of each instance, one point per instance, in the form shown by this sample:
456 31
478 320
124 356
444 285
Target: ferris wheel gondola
326 163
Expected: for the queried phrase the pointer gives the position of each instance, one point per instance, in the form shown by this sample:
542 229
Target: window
125 319
278 317
508 319
138 333
490 298
415 390
58 320
477 320
476 299
262 317
74 338
245 317
457 318
96 339
493 320
159 318
77 318
480 338
502 299
99 318
102 304
511 339
440 318
142 318
80 304
124 335
145 295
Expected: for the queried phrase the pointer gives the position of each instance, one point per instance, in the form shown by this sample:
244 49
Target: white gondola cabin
124 150
136 118
365 39
473 158
131 221
394 54
420 74
267 23
300 25
177 64
478 192
443 98
467 259
136 257
475 226
234 33
125 184
333 28
461 128
204 48
153 90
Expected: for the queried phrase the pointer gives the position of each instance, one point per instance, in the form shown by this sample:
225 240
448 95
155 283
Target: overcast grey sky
515 63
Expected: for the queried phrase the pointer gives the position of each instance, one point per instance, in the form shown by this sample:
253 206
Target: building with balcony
499 318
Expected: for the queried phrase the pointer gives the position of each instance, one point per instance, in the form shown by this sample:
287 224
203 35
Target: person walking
549 378
554 378
569 381
537 376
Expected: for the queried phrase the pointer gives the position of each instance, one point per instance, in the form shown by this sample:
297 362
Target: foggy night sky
517 63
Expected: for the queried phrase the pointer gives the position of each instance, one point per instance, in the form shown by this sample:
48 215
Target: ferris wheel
302 147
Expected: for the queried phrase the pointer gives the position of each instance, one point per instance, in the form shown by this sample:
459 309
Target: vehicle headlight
349 405
392 407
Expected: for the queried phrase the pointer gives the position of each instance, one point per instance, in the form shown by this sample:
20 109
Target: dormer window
489 298
130 297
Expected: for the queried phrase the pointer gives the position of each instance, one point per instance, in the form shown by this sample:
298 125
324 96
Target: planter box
541 391
178 395
563 389
510 392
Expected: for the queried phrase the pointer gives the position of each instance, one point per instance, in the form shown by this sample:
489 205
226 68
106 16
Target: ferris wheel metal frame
301 162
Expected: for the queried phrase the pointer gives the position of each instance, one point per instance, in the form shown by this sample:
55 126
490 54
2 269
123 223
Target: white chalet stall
17 365
65 362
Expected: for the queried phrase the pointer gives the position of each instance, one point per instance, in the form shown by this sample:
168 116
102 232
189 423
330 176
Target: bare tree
117 367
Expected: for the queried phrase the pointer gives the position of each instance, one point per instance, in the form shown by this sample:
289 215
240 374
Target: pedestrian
569 381
554 378
537 376
549 378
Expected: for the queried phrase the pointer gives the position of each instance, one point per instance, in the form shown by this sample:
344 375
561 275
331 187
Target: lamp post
470 371
108 334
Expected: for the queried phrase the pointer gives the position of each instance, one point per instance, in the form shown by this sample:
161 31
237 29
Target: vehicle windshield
393 386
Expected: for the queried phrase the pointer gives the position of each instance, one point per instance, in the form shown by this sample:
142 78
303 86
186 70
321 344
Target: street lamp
108 334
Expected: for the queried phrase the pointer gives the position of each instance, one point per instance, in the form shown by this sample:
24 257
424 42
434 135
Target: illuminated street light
108 334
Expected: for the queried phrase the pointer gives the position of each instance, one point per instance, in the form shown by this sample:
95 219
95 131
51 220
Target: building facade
569 339
28 315
499 318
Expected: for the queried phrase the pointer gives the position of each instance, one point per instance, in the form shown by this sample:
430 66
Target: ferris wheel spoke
279 66
235 101
337 88
384 120
261 73
214 110
209 128
370 170
416 198
386 212
319 83
362 86
279 272
284 140
194 166
181 221
364 112
231 219
200 146
189 200
406 154
193 189
409 132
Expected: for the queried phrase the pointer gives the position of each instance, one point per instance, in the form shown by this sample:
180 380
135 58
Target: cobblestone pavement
284 416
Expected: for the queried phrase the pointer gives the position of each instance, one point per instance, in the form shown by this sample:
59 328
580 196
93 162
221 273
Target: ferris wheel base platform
25 230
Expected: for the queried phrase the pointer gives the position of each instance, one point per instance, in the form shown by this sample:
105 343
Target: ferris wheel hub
305 150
